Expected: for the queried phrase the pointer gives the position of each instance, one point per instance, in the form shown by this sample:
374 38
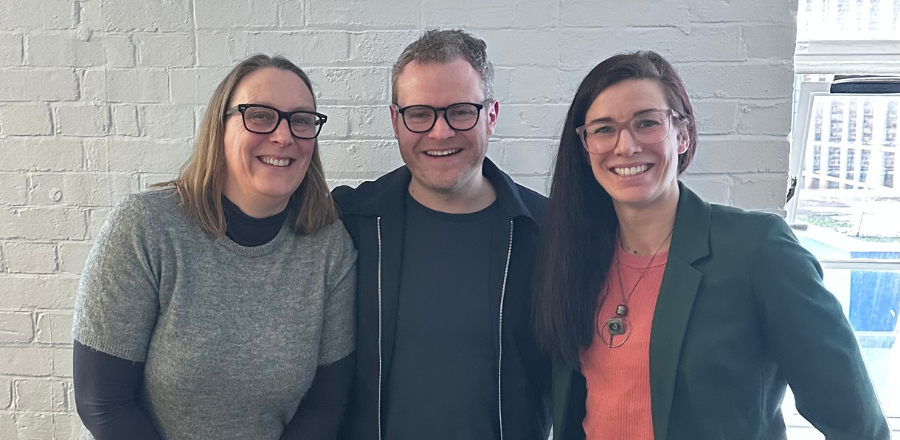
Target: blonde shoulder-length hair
202 180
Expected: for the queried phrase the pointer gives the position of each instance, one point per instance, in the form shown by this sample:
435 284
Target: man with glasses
446 250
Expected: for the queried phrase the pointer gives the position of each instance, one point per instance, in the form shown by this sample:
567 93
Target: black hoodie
374 215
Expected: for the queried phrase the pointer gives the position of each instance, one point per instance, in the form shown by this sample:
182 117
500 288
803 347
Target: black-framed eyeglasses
461 116
649 127
263 119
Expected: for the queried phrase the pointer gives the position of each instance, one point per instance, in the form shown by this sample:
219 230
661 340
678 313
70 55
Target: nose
282 134
626 145
441 129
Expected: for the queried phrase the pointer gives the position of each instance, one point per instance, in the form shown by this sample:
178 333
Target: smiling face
638 176
264 170
443 162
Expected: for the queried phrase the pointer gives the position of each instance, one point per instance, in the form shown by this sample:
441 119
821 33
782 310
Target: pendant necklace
617 329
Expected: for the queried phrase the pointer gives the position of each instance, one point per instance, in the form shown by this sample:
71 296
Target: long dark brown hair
580 225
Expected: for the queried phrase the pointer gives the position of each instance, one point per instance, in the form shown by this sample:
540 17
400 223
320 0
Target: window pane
848 20
847 183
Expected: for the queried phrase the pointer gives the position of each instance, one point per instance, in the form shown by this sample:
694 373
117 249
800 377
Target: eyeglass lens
421 118
646 128
265 120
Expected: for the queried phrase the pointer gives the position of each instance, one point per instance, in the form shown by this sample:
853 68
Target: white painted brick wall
101 98
25 119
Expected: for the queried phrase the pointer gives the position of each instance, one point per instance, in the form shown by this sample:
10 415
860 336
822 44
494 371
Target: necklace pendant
622 310
615 331
615 327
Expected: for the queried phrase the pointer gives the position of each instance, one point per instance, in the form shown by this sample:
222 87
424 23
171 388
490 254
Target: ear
493 112
683 141
395 119
682 145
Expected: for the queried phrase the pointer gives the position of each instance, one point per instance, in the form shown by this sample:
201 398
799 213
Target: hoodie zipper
500 355
380 363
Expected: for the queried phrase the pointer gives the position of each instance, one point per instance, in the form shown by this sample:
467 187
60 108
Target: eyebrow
639 112
298 109
294 109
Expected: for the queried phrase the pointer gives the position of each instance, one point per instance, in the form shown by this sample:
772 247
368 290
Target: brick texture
101 98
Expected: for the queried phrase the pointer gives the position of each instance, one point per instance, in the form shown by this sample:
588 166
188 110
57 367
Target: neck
644 231
258 207
476 195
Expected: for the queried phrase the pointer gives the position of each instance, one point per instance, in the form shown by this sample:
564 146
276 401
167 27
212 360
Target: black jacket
374 214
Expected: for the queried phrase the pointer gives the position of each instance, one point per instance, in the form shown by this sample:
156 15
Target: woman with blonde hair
222 304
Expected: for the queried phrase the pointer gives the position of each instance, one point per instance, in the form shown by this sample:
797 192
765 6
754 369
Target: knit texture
231 336
618 379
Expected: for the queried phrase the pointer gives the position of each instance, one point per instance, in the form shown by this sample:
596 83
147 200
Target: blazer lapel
690 242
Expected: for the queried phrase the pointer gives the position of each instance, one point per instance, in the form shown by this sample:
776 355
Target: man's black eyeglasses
461 116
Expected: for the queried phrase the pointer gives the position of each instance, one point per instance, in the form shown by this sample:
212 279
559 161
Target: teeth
275 162
441 153
631 171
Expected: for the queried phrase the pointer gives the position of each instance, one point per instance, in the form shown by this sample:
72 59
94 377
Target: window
846 204
848 37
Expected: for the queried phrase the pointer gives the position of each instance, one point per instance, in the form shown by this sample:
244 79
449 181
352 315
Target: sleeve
339 320
320 411
106 395
117 301
810 338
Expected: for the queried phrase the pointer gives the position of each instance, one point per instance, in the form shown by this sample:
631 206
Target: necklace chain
620 325
622 309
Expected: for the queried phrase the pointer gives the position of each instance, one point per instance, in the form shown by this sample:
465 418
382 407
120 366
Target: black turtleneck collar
249 231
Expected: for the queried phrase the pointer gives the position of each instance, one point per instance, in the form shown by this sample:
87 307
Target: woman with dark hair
671 318
222 304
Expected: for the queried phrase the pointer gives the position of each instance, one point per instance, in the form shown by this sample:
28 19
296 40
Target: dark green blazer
742 313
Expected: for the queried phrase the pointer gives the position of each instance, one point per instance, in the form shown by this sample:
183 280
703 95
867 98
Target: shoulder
345 194
371 196
748 223
331 234
734 214
533 201
142 210
348 197
151 202
755 238
331 241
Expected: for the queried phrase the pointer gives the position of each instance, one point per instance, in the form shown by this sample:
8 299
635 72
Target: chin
639 198
278 192
440 188
448 185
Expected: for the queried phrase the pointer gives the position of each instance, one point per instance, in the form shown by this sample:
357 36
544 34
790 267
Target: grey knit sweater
231 336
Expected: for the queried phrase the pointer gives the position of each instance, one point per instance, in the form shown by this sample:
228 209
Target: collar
387 194
690 238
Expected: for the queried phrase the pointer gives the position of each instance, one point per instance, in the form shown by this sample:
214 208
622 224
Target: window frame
847 57
833 57
808 92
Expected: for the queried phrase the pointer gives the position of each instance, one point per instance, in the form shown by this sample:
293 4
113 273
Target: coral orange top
618 379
